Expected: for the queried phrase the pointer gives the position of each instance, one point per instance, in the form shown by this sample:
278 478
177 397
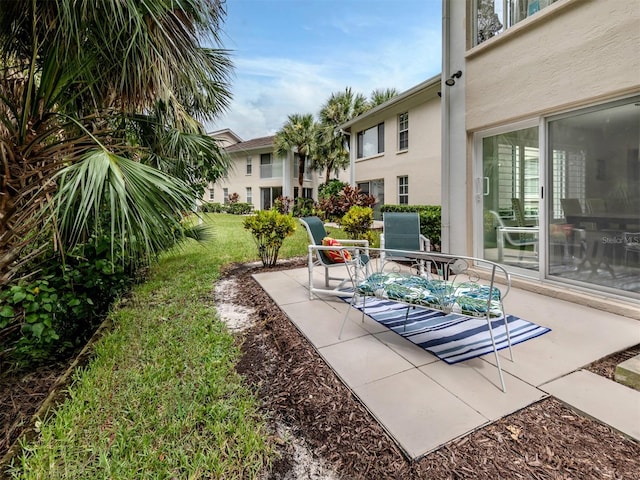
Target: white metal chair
318 257
516 236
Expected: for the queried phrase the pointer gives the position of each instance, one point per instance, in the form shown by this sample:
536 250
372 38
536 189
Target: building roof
225 131
431 84
252 144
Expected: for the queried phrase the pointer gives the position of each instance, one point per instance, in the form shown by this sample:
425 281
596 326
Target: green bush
269 229
430 220
59 309
304 207
357 223
328 190
239 208
212 207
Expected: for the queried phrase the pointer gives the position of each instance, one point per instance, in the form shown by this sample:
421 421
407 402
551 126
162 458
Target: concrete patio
424 403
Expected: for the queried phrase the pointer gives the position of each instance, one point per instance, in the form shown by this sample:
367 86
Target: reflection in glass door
510 200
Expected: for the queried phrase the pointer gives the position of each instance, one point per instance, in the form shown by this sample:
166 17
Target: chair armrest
349 241
425 243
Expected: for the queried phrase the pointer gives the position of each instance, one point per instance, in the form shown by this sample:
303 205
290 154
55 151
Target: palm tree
380 95
333 153
100 111
297 134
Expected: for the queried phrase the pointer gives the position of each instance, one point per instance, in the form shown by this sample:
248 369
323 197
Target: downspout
445 138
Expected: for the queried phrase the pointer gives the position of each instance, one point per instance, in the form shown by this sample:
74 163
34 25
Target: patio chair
328 257
401 231
516 236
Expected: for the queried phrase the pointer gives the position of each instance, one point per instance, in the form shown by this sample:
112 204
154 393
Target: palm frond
143 205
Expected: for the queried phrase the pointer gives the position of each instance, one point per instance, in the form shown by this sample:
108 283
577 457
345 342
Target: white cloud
268 89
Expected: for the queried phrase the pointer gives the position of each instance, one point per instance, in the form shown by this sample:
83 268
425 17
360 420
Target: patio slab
600 398
424 403
417 412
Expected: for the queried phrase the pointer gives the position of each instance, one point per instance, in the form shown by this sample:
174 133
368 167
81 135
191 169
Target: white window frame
249 170
225 195
403 189
249 194
370 141
403 128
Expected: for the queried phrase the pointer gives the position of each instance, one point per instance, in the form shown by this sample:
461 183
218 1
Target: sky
289 56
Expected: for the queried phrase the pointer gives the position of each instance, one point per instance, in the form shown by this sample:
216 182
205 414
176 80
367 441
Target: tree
332 153
297 134
100 111
379 96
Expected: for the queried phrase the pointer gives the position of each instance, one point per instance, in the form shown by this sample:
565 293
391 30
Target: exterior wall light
451 80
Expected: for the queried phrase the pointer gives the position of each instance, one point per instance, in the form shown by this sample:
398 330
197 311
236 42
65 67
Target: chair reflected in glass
517 236
596 205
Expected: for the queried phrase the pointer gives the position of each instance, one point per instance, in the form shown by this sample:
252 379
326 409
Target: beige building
395 148
257 175
541 115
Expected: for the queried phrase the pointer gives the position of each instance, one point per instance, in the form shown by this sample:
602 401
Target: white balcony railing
271 170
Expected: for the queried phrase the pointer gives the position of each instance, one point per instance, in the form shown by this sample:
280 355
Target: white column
287 173
454 135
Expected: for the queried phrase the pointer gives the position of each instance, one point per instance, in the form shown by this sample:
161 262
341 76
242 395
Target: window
403 131
306 192
269 168
495 16
211 194
249 167
225 195
594 197
371 141
268 196
403 190
249 195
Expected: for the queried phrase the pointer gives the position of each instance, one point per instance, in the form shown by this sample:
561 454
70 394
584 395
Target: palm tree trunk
301 173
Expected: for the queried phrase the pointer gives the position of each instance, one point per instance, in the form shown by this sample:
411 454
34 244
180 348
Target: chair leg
346 314
495 351
310 268
506 327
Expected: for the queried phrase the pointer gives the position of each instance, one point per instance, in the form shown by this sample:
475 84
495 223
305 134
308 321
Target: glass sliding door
593 205
510 198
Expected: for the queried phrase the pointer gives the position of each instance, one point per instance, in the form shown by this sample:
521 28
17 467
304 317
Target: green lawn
160 397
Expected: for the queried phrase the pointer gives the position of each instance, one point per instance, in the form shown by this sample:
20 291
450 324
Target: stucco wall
573 53
421 162
237 180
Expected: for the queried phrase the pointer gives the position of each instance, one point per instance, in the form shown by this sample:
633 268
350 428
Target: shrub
328 190
269 229
357 223
234 198
59 309
336 206
239 208
283 205
212 207
430 220
304 207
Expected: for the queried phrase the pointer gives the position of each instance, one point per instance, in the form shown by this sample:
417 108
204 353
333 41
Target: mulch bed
544 441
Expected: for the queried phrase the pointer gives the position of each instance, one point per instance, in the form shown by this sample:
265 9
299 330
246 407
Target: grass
160 397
